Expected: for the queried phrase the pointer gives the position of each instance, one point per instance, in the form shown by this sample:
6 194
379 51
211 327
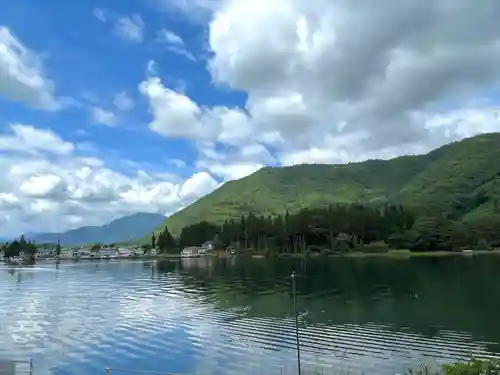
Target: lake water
379 316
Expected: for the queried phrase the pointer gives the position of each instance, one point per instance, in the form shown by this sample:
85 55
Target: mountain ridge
119 230
460 180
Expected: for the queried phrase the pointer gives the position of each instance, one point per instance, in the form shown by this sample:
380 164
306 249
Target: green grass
460 180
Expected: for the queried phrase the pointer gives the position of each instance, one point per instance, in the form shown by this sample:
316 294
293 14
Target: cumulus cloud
28 139
22 75
201 183
325 82
47 186
174 115
337 81
356 69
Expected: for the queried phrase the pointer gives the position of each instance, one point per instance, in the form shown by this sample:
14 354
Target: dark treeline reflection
425 295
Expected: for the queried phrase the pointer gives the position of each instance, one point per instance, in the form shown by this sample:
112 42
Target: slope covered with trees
459 182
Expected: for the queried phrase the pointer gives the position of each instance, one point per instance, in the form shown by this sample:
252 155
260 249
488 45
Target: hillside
122 229
461 180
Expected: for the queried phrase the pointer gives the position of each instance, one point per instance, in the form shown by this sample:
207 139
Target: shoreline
77 260
396 254
388 254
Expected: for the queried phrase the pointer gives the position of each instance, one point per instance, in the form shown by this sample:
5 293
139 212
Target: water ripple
199 317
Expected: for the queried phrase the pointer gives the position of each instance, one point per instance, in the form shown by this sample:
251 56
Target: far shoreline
393 254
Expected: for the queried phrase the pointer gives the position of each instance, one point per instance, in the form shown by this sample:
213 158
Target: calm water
235 317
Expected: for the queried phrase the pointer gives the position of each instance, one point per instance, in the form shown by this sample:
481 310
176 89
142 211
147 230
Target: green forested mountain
460 181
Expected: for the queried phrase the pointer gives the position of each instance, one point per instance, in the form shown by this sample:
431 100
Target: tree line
339 228
16 247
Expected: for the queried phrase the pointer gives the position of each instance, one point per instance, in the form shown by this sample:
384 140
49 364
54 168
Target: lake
235 316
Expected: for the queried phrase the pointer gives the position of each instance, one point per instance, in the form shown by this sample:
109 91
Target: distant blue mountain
120 230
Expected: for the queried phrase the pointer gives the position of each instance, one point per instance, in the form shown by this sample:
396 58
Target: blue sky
103 63
114 107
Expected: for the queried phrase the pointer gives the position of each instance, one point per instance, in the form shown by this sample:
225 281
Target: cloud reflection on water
88 316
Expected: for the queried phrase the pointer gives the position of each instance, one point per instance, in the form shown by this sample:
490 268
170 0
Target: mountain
460 180
119 230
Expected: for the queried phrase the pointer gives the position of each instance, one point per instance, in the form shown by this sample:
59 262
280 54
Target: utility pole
293 276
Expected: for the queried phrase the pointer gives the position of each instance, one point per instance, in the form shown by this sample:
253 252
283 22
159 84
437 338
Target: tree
217 243
95 248
58 248
146 248
165 241
343 227
16 247
153 241
13 249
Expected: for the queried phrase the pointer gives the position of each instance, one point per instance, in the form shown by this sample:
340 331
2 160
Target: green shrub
473 367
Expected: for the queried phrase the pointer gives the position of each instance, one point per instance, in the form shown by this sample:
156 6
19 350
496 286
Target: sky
113 107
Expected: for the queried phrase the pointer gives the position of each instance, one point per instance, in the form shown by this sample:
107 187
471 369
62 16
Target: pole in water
296 322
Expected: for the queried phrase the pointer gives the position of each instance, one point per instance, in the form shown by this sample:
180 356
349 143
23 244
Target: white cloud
123 101
28 139
103 116
336 81
234 162
45 183
22 75
325 82
174 114
199 184
320 72
174 43
130 28
43 186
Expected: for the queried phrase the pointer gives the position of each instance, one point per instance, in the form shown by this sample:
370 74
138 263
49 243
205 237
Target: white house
82 252
125 252
191 252
45 253
108 252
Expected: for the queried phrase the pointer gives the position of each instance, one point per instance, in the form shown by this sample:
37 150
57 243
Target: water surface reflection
207 316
